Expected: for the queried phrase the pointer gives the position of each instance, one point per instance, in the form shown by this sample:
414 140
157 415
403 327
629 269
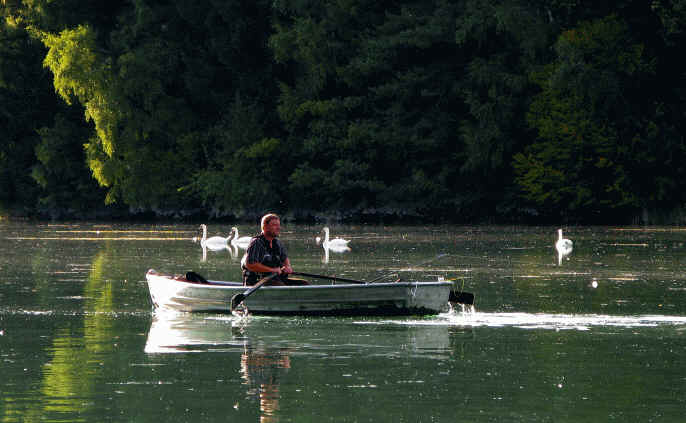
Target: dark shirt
259 251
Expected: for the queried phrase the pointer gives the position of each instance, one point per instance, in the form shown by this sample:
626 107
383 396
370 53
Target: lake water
599 337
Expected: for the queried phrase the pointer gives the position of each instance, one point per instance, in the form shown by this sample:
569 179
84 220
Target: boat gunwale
214 284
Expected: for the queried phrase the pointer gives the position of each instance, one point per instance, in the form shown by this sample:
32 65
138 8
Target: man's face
273 228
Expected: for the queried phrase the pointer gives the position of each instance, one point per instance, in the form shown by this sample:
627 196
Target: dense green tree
438 108
61 171
411 105
371 105
157 82
30 178
672 14
22 83
502 42
597 132
43 169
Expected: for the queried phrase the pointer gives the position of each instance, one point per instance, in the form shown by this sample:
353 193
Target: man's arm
287 266
261 268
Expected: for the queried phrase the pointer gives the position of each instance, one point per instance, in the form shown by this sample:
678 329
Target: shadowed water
599 337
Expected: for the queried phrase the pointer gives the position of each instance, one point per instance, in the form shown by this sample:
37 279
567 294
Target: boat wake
581 322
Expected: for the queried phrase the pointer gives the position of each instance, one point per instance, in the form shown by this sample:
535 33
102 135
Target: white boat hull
396 298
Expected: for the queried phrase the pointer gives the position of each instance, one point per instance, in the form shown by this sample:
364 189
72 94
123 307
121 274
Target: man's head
271 225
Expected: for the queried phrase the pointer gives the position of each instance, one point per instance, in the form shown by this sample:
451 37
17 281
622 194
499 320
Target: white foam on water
561 321
580 322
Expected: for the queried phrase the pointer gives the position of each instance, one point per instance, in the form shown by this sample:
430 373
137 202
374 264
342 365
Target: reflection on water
74 349
261 370
261 365
267 345
232 250
191 333
563 246
600 338
185 332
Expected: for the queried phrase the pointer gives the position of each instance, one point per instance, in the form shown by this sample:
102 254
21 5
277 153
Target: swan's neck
204 233
559 231
326 235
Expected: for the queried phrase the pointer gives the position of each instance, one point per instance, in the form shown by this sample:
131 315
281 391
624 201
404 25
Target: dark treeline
463 111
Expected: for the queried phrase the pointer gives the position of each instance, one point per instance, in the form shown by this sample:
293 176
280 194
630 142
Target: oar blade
236 300
461 297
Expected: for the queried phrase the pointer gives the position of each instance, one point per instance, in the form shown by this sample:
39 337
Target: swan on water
215 242
237 241
335 249
337 245
333 244
563 247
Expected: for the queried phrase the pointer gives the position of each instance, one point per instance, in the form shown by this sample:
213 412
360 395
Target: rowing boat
175 292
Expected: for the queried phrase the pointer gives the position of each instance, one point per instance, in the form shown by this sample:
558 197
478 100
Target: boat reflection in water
198 332
266 345
185 332
261 366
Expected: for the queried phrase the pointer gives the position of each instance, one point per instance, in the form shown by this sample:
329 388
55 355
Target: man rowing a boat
266 255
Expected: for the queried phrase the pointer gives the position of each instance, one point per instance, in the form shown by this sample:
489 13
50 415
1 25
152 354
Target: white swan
563 247
214 243
335 249
337 245
334 244
237 241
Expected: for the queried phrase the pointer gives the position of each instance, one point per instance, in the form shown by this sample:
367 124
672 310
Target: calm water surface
599 337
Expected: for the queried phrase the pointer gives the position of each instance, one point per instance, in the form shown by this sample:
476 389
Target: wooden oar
331 278
239 298
454 297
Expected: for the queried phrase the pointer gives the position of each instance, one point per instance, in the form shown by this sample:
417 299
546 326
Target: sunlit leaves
157 85
79 72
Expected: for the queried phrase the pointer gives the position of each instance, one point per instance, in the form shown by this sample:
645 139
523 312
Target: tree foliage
598 131
438 109
33 180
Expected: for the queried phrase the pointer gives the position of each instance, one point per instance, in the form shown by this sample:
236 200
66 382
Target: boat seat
195 277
